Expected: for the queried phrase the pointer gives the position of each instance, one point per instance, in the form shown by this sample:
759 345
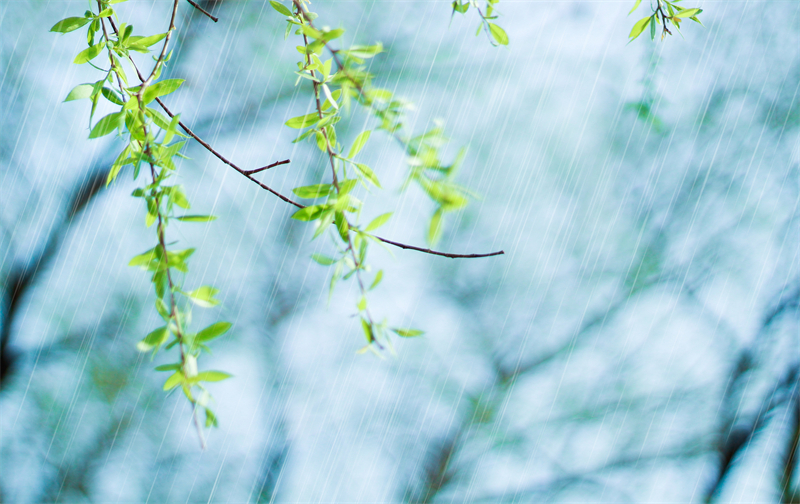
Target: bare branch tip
213 18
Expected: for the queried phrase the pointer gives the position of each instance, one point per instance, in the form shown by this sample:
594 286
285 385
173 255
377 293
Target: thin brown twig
213 18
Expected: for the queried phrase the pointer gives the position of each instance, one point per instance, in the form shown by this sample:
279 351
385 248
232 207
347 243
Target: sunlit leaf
213 331
197 218
204 296
639 27
323 259
313 191
89 53
498 34
359 143
107 124
635 6
378 221
408 333
280 8
80 92
211 376
69 24
302 121
174 380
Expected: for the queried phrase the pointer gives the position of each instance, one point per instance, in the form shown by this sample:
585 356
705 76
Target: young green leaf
358 144
408 333
309 213
435 228
378 278
498 34
107 124
89 53
174 380
197 218
161 88
639 27
635 6
154 339
211 419
378 222
280 8
688 13
211 376
368 174
80 92
168 367
213 331
322 259
204 296
313 191
300 122
144 42
69 24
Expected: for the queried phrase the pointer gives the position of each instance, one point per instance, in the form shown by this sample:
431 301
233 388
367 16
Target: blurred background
638 341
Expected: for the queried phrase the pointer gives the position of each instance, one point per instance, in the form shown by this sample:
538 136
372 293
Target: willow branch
248 173
215 19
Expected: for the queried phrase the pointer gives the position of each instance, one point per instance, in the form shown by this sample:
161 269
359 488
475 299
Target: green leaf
211 376
69 24
435 228
309 213
204 296
300 122
145 41
106 13
367 172
111 96
154 339
107 124
408 333
636 6
367 331
313 191
213 331
161 88
174 380
89 53
359 143
121 161
80 92
177 197
197 218
378 278
498 34
688 13
639 27
323 259
378 222
359 51
280 8
168 367
211 419
145 258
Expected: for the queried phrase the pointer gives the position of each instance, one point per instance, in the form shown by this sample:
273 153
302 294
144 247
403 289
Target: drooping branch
249 173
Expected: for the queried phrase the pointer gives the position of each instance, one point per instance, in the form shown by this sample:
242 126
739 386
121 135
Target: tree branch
248 173
215 19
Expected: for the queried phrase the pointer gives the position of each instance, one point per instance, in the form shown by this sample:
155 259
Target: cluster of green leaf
150 142
337 82
497 35
664 13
